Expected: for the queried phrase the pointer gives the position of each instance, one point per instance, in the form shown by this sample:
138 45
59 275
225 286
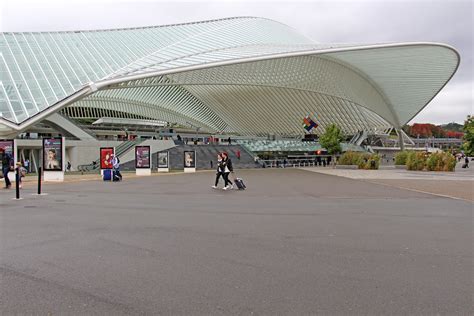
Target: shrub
401 157
369 161
441 162
416 160
349 158
362 160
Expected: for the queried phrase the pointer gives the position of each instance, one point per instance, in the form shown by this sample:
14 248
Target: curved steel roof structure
242 75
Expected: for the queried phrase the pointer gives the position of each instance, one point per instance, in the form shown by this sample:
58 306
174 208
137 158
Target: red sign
106 155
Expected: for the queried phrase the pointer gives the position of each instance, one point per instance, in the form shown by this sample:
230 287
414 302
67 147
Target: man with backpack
7 166
116 175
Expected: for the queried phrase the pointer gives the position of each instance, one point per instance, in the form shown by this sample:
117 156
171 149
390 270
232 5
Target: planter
350 167
400 166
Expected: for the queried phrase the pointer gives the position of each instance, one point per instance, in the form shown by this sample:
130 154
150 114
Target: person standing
227 169
238 154
466 162
26 164
219 171
7 166
21 173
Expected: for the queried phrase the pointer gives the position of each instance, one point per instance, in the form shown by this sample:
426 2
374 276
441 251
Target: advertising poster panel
189 159
142 157
52 154
163 159
106 154
7 148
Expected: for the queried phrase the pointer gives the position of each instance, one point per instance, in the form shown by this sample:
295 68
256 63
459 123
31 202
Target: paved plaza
296 242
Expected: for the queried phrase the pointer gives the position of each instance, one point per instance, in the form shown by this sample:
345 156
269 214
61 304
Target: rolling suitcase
107 176
240 184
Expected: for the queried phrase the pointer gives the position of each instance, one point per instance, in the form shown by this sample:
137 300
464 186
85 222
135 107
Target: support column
401 143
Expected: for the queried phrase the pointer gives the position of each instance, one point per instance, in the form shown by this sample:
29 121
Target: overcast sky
357 21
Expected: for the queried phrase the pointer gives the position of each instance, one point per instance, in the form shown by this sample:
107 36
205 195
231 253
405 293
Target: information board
189 159
142 157
53 154
106 155
163 159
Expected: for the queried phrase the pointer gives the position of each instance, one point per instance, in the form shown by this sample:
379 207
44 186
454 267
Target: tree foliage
469 135
331 139
427 130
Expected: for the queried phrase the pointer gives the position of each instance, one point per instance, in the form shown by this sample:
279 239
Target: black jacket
227 163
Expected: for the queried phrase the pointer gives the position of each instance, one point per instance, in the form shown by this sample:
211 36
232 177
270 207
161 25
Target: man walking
7 165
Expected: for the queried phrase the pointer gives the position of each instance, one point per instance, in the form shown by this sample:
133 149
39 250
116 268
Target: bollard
17 183
39 181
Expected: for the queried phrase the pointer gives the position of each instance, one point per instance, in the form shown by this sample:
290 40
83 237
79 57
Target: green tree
331 140
469 135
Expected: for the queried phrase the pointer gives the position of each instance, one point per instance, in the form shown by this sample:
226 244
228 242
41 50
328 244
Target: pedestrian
116 171
219 171
212 164
238 154
21 173
227 169
7 166
68 166
26 164
229 141
466 162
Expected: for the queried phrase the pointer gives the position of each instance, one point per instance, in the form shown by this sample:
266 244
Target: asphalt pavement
295 242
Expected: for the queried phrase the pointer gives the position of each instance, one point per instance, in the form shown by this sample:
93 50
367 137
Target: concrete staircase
204 155
127 161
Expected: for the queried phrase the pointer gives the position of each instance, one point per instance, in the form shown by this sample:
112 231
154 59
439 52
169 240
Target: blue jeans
6 170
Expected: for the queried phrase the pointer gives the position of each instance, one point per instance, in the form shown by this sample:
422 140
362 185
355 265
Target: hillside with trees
427 130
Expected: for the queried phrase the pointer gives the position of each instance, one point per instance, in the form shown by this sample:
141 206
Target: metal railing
311 161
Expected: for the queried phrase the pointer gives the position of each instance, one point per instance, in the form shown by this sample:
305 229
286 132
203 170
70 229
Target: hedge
401 157
431 162
441 162
362 160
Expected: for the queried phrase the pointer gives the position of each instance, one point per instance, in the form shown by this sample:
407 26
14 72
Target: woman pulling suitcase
226 170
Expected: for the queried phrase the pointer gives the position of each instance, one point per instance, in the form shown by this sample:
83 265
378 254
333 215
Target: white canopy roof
241 75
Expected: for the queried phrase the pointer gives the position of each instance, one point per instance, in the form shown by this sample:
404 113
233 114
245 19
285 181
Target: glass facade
245 75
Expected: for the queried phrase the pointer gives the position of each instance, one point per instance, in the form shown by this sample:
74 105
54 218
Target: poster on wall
189 159
106 155
142 157
163 159
52 154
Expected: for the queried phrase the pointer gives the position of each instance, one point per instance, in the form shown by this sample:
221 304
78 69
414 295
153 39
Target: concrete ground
296 242
458 184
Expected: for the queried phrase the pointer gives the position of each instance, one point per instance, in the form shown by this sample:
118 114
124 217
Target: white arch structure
242 75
